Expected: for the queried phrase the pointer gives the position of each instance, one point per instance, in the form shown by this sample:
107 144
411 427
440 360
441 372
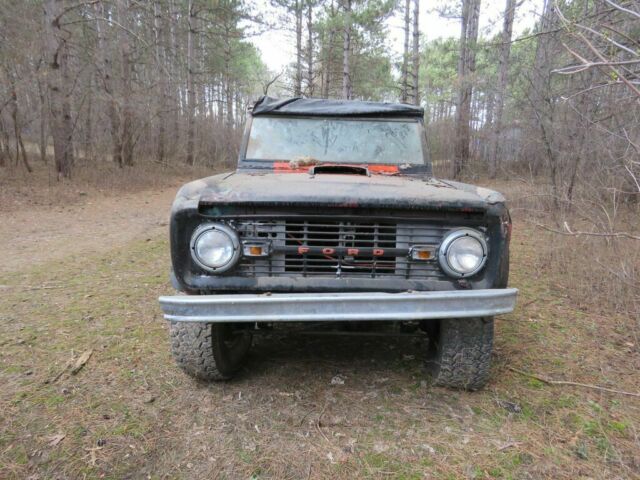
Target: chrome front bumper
314 307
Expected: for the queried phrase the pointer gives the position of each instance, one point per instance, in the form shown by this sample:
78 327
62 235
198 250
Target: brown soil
38 234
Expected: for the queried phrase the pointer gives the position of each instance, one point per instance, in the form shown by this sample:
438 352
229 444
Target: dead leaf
56 439
81 361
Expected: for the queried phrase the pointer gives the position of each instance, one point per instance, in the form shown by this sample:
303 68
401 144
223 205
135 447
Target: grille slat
382 248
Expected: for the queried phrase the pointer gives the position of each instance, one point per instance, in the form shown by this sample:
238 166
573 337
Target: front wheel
459 354
210 351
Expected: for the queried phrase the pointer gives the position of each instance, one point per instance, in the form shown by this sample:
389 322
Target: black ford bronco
333 215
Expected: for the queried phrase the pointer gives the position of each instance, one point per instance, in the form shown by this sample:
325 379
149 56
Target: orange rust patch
388 169
285 167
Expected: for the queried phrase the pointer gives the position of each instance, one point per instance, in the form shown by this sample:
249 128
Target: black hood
352 191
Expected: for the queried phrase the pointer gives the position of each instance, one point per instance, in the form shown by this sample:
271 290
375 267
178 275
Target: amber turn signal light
422 252
256 249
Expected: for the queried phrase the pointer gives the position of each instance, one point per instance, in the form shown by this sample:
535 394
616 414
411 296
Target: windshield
388 142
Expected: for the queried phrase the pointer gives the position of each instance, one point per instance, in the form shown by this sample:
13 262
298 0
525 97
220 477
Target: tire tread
462 357
191 346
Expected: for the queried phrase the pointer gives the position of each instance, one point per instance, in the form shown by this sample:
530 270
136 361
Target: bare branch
587 65
569 232
549 381
622 9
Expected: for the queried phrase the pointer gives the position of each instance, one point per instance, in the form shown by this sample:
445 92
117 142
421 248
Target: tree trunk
239 109
503 79
3 159
329 54
346 52
21 153
229 98
42 95
59 83
126 108
204 94
191 92
404 87
310 86
88 130
173 91
162 82
221 88
106 67
489 107
5 151
297 87
416 53
228 89
466 68
542 102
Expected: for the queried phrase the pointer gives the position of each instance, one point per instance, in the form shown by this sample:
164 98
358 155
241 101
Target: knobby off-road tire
459 353
209 351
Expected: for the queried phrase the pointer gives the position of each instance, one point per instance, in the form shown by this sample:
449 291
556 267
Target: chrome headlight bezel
443 251
234 242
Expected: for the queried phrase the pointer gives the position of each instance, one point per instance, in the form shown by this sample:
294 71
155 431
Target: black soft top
319 107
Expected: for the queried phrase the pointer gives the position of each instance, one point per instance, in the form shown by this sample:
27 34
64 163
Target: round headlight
215 247
463 252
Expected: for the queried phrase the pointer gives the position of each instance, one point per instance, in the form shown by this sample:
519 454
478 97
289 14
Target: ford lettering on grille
347 248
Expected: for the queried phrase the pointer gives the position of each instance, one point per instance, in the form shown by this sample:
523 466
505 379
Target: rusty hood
333 190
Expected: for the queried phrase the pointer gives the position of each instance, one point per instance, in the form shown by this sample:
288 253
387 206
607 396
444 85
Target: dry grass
20 189
131 413
598 273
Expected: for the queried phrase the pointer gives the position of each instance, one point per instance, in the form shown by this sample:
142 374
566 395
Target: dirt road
41 234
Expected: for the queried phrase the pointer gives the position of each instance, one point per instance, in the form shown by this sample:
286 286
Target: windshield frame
264 164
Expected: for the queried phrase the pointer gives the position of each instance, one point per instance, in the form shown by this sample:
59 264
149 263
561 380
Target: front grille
345 248
340 237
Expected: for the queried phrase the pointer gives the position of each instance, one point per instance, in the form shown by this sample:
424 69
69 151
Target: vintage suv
333 215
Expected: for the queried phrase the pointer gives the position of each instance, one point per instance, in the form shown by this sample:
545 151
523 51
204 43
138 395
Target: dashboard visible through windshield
331 140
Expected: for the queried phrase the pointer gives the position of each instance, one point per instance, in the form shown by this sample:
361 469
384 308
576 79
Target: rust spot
387 169
285 167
